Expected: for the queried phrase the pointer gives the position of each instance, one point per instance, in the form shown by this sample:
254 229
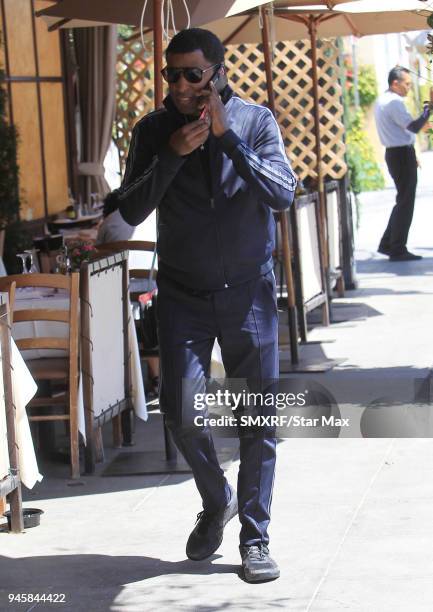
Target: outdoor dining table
31 299
23 389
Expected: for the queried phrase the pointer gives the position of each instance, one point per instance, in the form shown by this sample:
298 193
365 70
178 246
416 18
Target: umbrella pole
312 29
291 303
157 52
170 449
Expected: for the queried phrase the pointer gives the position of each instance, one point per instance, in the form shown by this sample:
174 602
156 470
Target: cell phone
219 79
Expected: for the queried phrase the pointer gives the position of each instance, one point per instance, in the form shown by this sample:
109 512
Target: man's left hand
216 110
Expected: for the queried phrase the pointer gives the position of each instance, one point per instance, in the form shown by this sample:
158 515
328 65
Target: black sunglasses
192 75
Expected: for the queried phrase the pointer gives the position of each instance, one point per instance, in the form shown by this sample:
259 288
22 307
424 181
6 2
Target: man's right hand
189 137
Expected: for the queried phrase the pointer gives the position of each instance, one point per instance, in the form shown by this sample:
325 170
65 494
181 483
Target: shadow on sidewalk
375 265
387 402
56 483
374 291
101 577
148 436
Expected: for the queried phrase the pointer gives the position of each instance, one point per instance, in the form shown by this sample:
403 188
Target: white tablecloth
28 299
23 388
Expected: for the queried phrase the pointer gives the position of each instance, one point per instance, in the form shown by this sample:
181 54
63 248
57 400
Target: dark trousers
244 319
402 166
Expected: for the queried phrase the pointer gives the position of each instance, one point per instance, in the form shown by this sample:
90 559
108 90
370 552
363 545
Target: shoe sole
396 260
232 513
261 576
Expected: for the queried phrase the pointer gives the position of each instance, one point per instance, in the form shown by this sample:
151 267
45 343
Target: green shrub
367 87
364 171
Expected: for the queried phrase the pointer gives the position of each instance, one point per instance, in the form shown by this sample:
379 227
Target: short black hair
195 39
396 74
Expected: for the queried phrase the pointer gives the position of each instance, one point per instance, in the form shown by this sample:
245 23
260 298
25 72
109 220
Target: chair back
63 370
39 312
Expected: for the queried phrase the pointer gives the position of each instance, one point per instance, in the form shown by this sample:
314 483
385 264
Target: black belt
401 147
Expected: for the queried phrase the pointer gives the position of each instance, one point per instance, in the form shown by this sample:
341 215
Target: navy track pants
244 319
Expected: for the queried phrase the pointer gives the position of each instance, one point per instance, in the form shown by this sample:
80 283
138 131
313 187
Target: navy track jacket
215 221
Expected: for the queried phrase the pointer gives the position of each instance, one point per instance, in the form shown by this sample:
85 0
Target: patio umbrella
357 17
185 13
154 16
55 23
389 6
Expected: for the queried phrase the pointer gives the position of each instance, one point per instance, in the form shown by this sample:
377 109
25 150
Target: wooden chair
62 370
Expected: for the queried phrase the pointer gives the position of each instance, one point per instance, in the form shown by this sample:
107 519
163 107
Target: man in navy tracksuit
215 168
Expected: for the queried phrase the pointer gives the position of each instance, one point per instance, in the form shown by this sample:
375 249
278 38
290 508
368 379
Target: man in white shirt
397 129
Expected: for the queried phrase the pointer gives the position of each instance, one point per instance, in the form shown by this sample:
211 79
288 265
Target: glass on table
31 264
23 257
95 199
63 262
28 267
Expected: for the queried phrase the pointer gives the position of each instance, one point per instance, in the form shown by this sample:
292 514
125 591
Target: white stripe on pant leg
272 486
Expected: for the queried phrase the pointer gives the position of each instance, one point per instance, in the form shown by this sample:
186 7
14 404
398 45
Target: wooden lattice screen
293 97
134 91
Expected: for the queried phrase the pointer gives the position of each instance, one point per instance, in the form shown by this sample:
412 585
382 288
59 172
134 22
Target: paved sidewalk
352 518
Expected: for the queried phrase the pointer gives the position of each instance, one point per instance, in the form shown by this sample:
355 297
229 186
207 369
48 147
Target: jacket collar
226 94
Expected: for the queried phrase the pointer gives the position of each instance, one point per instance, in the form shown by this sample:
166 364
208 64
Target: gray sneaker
257 565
